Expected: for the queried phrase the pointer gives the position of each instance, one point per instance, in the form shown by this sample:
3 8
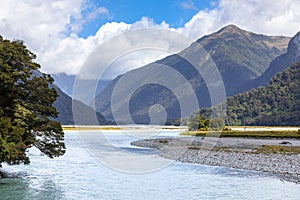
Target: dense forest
278 103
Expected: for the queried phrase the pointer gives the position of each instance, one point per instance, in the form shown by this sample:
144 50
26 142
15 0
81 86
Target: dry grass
271 149
246 134
264 149
89 128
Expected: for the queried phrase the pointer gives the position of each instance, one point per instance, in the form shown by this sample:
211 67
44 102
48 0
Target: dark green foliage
278 103
26 106
198 122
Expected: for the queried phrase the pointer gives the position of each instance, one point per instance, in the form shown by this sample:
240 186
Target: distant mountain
239 56
277 104
66 83
277 65
84 114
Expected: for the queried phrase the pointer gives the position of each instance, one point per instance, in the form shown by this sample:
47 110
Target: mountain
83 113
66 83
277 65
243 53
277 103
238 55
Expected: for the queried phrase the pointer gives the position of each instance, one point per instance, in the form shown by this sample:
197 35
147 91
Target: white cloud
92 13
270 17
37 22
188 5
202 23
50 27
69 54
132 49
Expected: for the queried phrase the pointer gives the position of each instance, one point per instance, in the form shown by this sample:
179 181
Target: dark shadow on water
25 187
144 151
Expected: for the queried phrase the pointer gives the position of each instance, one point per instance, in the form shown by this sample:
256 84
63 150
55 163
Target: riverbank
120 127
250 132
280 157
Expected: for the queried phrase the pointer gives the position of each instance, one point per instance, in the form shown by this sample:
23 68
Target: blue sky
174 12
63 33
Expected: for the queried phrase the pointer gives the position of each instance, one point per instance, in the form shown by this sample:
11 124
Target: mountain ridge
237 57
277 65
276 104
85 115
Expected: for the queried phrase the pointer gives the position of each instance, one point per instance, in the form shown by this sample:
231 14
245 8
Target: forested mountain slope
278 103
239 56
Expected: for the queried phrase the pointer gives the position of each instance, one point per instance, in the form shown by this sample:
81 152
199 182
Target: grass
264 149
247 134
271 149
87 127
72 128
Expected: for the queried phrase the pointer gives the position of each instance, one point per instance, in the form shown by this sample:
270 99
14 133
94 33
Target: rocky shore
231 152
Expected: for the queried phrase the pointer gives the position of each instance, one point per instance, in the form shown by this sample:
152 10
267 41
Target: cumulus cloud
50 27
279 17
69 54
36 22
130 50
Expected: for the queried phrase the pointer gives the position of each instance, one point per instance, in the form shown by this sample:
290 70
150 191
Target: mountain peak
233 33
231 28
230 31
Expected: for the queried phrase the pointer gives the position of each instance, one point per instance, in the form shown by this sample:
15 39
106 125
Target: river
80 174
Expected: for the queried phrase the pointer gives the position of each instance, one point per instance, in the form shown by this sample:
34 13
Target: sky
64 33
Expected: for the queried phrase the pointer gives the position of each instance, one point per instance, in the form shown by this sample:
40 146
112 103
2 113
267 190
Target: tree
26 110
216 124
198 122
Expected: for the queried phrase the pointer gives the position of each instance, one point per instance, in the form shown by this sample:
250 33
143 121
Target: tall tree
26 111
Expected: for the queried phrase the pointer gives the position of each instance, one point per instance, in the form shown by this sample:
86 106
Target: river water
80 175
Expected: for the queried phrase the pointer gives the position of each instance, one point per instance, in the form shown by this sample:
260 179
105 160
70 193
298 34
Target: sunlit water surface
78 175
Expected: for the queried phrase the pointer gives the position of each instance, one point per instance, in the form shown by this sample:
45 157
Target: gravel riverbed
230 152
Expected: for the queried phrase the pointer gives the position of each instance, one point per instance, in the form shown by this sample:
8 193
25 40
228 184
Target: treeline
278 103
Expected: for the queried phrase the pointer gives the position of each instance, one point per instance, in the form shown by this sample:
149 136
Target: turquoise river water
80 175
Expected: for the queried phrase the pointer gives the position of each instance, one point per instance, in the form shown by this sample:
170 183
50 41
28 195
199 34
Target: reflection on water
77 175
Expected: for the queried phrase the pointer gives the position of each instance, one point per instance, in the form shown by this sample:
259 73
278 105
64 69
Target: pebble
285 166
